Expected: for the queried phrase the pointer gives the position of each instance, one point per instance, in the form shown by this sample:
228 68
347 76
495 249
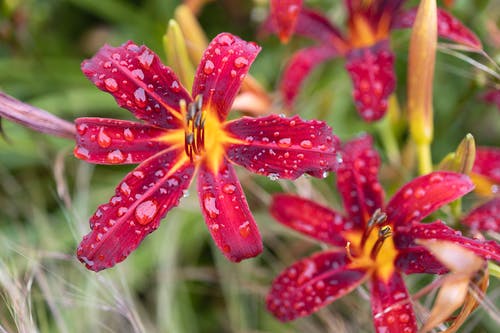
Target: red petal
222 68
372 74
299 67
485 217
139 82
425 194
357 180
285 14
487 162
311 284
448 27
492 96
309 218
440 231
110 141
283 147
391 306
227 214
418 260
141 200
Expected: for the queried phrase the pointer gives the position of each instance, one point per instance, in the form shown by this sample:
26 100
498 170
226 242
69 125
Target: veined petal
141 200
487 162
440 231
391 306
223 67
357 180
372 74
111 141
226 213
311 284
418 260
283 147
285 14
139 82
299 67
311 219
448 27
485 217
425 194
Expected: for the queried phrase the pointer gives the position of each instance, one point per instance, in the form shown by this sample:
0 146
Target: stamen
384 233
378 218
195 127
348 251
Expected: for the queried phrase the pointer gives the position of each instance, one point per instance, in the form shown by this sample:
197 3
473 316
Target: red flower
372 241
366 48
285 14
486 176
492 96
182 134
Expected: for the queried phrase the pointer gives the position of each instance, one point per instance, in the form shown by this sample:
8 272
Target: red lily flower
366 48
372 241
186 133
285 14
486 176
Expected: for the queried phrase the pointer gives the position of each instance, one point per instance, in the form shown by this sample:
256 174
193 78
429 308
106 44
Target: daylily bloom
486 176
182 134
365 46
372 241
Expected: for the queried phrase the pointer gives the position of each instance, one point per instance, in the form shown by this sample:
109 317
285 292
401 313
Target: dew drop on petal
116 156
173 181
240 62
419 193
146 59
138 174
209 204
122 211
81 129
244 229
146 211
228 188
138 73
175 86
103 140
225 40
209 67
127 133
307 144
140 97
81 153
125 189
285 142
111 84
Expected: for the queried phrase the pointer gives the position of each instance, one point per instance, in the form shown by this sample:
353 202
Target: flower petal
485 217
418 260
492 96
487 162
312 283
440 231
357 180
139 82
141 200
310 219
111 141
227 215
285 14
372 74
222 68
283 147
299 67
425 194
448 27
391 306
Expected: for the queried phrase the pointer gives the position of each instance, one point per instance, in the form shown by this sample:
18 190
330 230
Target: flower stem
424 158
389 141
494 269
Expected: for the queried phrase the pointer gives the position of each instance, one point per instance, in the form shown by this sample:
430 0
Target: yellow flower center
374 248
363 34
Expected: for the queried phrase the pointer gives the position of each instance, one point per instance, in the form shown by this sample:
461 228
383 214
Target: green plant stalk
389 140
424 158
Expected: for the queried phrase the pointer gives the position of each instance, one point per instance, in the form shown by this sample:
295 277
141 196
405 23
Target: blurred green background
177 281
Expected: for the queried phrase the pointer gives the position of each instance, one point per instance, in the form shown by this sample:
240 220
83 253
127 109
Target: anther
384 233
378 218
195 122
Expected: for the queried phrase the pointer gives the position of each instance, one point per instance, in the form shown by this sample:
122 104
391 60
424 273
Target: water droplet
103 140
225 40
228 188
285 142
407 193
146 59
173 181
436 178
244 229
419 193
209 67
107 64
240 62
125 189
138 174
81 153
138 73
116 156
307 144
146 211
226 248
82 129
111 84
273 176
209 204
175 86
122 211
140 97
129 136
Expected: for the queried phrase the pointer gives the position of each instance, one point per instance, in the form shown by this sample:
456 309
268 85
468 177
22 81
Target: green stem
494 269
389 141
424 158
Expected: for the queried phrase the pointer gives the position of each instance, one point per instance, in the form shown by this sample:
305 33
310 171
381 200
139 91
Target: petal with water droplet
100 137
275 148
139 82
391 306
224 55
226 213
439 188
309 218
487 163
285 14
135 210
417 259
311 284
485 217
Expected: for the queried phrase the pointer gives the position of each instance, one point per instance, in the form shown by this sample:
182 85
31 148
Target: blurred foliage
176 281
